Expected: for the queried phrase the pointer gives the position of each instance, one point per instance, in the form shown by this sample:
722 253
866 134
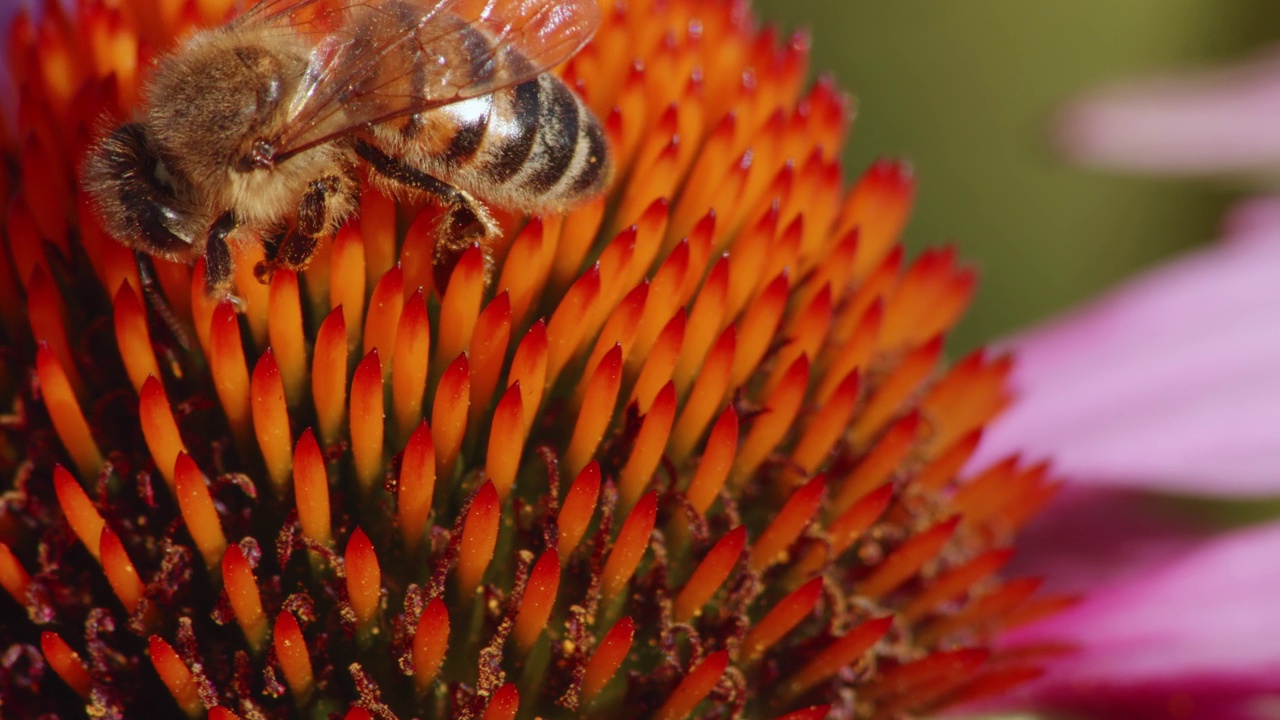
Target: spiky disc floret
692 453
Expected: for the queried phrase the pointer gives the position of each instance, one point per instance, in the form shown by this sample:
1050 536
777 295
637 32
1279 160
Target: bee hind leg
466 220
464 224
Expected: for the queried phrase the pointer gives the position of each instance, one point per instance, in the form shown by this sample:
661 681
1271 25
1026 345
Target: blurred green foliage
966 90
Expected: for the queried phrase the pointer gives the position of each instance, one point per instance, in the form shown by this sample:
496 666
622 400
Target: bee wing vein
352 74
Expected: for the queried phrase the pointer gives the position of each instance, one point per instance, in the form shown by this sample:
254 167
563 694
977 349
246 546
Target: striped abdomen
532 146
528 146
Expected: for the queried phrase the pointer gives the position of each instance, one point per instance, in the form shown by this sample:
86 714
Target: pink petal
1170 382
1089 537
1254 221
1183 699
1219 121
1193 633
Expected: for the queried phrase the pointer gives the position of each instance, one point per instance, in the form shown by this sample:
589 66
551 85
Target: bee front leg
466 221
325 205
217 256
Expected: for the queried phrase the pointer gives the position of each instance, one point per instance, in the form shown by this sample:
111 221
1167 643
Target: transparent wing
375 60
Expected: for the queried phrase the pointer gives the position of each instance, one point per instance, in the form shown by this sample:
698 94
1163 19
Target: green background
966 90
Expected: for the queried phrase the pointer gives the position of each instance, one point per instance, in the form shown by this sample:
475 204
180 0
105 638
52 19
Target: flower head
692 452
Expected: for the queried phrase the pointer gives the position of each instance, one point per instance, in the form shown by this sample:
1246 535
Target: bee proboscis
256 129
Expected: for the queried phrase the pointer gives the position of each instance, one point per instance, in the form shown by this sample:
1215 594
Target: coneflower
692 453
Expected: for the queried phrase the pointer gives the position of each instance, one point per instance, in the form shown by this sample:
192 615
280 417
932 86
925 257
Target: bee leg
464 224
323 207
466 221
293 253
217 256
153 293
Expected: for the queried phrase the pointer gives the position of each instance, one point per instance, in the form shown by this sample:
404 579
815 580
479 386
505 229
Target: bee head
139 201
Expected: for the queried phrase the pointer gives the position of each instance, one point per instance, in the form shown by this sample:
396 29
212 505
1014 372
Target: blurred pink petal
1169 382
1218 121
1182 699
1197 635
1089 537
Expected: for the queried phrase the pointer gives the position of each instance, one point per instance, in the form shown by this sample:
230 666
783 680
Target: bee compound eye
154 222
133 192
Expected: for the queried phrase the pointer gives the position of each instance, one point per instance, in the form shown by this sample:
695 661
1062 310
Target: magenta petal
1170 382
1088 537
1194 632
1185 698
1220 121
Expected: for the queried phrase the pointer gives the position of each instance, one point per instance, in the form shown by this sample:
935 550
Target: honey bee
257 129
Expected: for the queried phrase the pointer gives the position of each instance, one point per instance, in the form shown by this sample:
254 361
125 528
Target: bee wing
376 60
